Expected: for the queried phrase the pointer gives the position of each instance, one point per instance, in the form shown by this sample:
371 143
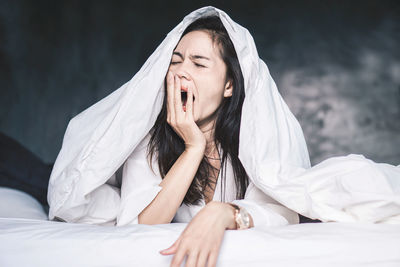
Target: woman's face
198 63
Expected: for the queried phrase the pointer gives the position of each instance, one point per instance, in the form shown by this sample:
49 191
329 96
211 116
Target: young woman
185 164
195 142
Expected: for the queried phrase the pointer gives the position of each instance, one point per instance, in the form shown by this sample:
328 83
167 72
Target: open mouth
184 99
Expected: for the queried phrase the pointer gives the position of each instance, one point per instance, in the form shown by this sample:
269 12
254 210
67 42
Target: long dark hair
168 146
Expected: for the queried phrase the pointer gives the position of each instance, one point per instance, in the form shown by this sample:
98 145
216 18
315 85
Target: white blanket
272 147
25 242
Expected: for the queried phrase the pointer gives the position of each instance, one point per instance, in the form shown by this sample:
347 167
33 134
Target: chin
197 120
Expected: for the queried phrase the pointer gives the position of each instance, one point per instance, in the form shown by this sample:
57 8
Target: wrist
225 213
230 221
197 149
228 215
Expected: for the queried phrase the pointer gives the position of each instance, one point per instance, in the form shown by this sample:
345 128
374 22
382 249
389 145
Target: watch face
245 218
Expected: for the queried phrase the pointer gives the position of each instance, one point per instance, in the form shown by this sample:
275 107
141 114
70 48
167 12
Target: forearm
174 188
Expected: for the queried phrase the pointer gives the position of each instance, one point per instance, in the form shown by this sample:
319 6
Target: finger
201 260
192 259
178 257
170 96
189 103
172 249
212 259
177 98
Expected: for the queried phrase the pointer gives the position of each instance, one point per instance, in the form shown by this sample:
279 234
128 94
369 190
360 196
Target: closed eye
197 65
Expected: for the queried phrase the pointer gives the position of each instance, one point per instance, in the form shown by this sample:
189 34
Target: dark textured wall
337 64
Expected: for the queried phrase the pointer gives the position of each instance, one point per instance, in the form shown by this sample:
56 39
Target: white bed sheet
26 242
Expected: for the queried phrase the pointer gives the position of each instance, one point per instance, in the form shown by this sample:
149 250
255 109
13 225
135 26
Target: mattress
34 242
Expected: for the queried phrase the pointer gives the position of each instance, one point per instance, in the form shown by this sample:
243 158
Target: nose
182 71
182 74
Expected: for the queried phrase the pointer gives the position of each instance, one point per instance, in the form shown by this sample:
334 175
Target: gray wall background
336 63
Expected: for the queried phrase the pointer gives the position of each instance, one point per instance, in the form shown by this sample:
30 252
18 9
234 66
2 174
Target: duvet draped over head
272 147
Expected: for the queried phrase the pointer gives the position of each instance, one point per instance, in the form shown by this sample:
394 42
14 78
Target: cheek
210 99
210 90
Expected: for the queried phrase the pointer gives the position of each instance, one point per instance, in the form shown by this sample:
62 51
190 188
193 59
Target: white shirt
111 205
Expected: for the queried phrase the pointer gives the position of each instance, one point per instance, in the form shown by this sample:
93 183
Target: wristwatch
242 217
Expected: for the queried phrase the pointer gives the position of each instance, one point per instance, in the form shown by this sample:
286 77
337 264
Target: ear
228 89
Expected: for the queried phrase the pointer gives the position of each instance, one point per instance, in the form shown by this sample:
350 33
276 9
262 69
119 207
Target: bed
27 238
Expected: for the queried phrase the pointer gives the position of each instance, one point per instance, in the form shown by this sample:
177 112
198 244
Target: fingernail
162 251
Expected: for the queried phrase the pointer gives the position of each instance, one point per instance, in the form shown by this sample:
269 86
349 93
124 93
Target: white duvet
272 147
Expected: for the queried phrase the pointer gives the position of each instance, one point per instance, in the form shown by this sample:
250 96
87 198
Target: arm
178 179
174 187
202 238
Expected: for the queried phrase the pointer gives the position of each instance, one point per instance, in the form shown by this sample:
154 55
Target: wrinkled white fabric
272 149
25 242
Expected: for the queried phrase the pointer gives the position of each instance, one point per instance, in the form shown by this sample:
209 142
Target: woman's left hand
202 237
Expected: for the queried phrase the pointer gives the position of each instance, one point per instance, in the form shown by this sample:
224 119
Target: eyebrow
191 56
